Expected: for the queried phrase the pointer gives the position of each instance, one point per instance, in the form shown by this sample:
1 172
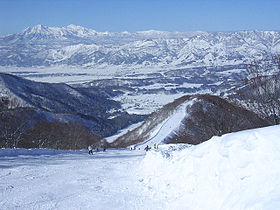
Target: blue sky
137 15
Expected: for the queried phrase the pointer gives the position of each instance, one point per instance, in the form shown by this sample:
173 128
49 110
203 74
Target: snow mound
235 171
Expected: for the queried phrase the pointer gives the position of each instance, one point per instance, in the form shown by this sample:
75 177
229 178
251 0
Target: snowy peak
40 29
79 31
76 28
39 32
45 33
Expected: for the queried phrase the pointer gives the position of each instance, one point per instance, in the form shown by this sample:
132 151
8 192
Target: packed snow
234 171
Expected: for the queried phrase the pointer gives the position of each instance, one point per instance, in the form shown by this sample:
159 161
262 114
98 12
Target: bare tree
8 103
59 135
13 121
15 103
262 88
4 103
12 127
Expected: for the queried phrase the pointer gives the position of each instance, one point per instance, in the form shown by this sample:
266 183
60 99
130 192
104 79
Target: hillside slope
65 103
192 120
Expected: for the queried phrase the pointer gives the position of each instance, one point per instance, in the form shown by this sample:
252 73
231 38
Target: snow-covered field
132 101
235 171
74 75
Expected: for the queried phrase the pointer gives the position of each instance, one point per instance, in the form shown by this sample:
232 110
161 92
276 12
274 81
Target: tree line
19 127
261 90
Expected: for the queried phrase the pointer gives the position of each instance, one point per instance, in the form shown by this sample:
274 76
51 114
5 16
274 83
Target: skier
147 148
90 150
132 148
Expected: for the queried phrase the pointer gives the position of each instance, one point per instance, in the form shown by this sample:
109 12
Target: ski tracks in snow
105 180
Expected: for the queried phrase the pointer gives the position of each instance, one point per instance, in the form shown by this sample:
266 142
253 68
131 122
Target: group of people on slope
147 148
90 149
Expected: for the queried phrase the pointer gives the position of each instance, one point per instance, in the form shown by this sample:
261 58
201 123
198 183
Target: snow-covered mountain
78 46
43 33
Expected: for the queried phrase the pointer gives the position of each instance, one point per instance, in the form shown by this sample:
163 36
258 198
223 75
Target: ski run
235 171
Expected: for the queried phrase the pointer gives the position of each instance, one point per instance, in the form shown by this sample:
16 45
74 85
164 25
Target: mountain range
79 46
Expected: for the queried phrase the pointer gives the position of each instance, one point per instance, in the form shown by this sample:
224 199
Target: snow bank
235 171
35 152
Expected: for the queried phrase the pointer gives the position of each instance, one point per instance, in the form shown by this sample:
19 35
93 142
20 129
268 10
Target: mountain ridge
62 102
72 27
78 46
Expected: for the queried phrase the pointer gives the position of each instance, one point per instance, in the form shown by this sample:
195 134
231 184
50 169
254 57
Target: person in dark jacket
147 148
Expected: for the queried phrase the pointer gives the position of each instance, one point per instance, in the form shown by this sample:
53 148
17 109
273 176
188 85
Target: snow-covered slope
171 124
190 119
235 171
58 98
